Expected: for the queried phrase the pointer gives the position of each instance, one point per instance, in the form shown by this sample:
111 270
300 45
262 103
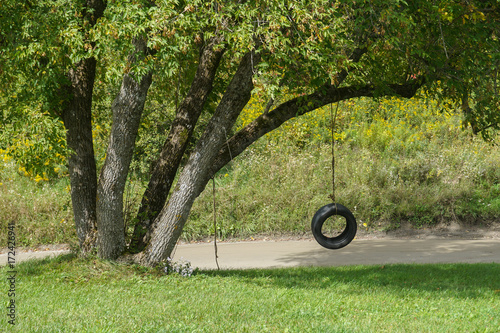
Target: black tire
341 240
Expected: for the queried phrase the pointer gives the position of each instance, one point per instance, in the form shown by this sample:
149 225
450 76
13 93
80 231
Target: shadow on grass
78 268
37 266
462 280
450 280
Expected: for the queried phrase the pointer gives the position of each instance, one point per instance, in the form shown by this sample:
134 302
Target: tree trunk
77 117
182 128
468 115
127 110
168 225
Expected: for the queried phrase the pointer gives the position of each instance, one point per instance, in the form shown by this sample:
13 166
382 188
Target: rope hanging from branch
215 225
214 207
333 118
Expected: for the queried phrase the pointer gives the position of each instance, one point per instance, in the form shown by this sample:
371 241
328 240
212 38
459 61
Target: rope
215 226
333 121
215 210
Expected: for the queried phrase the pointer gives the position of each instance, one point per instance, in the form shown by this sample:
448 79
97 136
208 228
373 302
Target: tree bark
181 131
77 118
127 111
170 222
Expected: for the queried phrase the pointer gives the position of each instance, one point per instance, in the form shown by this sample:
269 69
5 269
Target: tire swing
341 240
333 209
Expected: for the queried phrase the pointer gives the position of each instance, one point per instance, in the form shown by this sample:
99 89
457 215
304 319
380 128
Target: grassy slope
76 295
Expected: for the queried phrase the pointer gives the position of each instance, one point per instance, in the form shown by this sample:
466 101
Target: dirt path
450 244
36 253
293 253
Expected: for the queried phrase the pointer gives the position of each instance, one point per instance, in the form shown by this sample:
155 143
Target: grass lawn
68 294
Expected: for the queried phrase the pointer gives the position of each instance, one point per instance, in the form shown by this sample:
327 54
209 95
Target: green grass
68 294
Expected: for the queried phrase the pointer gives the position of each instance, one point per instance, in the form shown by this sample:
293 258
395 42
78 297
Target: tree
317 52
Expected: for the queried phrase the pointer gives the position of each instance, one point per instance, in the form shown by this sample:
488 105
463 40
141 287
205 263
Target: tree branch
299 106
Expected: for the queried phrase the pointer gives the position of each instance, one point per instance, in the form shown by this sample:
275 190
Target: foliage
151 137
98 295
38 147
301 43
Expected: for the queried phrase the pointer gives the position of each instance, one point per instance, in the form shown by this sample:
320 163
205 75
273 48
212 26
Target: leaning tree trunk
168 225
181 131
127 110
